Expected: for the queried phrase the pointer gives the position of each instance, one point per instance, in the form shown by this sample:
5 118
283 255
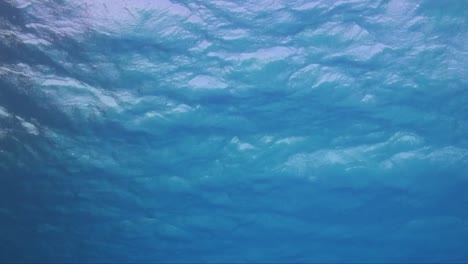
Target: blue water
233 131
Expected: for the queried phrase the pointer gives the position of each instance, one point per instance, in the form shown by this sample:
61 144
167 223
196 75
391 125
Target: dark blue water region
234 131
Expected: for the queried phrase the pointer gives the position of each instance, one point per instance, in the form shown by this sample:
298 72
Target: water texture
233 131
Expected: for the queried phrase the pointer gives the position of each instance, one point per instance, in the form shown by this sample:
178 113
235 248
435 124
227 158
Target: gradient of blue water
232 131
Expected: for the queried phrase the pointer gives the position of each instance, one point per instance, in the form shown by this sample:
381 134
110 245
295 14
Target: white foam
30 128
364 53
267 139
206 82
268 54
181 108
289 140
241 145
368 98
104 99
4 113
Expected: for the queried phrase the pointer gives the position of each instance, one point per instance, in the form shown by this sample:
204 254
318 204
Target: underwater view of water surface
229 131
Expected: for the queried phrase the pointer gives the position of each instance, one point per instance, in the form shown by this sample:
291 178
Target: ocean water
233 131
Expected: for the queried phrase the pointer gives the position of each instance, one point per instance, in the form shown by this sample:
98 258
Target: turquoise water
233 131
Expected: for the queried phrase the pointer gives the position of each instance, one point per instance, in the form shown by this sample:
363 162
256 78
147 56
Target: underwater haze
227 131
